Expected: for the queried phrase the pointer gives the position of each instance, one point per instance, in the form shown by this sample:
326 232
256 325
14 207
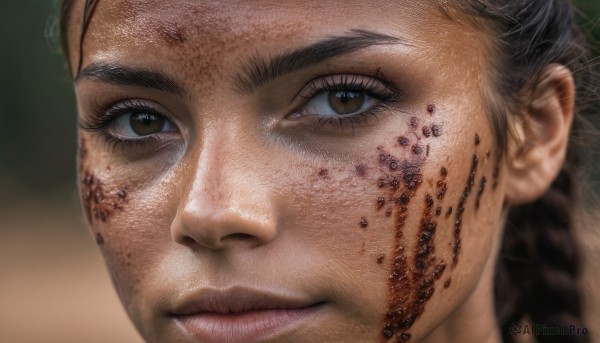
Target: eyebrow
259 71
130 76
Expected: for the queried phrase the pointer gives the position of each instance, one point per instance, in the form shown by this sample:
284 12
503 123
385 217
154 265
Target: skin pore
384 224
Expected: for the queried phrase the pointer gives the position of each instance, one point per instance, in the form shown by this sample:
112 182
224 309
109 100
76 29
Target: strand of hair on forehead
88 12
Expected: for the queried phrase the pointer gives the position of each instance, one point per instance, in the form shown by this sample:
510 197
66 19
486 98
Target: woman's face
314 172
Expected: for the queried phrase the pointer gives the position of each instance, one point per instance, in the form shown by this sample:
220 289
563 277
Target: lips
241 314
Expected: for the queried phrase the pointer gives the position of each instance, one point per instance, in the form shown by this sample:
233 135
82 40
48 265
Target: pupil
345 102
145 124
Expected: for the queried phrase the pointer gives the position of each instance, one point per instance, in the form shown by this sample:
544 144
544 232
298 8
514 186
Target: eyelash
385 94
381 91
101 118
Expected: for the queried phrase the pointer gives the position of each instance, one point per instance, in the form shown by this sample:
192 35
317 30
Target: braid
539 258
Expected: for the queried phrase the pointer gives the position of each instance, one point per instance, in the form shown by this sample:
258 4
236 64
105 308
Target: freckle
380 259
436 130
438 211
427 152
487 154
477 139
405 336
122 194
108 168
382 183
324 173
447 283
363 223
393 165
449 212
380 203
99 239
388 212
427 131
361 170
128 255
431 108
414 122
403 141
444 172
417 150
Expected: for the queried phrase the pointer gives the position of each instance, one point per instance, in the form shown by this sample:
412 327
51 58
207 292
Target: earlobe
537 151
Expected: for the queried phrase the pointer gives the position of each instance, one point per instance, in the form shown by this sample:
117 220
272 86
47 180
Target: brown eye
346 102
145 124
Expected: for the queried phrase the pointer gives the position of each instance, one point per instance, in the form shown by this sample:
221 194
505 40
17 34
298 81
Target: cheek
427 204
127 221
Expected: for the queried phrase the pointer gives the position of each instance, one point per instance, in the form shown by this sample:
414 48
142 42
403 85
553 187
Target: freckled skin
241 194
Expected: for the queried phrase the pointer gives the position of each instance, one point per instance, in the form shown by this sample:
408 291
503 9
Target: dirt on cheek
415 270
99 201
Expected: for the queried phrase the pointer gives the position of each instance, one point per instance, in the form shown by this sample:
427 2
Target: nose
226 205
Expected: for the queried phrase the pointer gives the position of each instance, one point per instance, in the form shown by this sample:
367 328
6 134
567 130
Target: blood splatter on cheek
99 201
413 271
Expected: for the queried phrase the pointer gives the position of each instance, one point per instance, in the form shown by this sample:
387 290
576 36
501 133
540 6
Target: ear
537 151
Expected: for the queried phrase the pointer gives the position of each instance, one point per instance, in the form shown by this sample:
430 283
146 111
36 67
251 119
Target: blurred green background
53 287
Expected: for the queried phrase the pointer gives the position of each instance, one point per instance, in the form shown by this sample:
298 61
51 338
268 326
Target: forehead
120 24
204 42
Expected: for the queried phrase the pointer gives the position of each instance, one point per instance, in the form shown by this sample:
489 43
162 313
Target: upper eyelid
373 82
101 116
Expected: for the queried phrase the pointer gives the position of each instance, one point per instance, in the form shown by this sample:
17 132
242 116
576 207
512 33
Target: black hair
539 262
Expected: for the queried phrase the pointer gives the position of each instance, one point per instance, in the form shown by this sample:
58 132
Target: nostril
188 241
240 237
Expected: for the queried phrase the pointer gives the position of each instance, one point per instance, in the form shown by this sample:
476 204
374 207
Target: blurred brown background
53 286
